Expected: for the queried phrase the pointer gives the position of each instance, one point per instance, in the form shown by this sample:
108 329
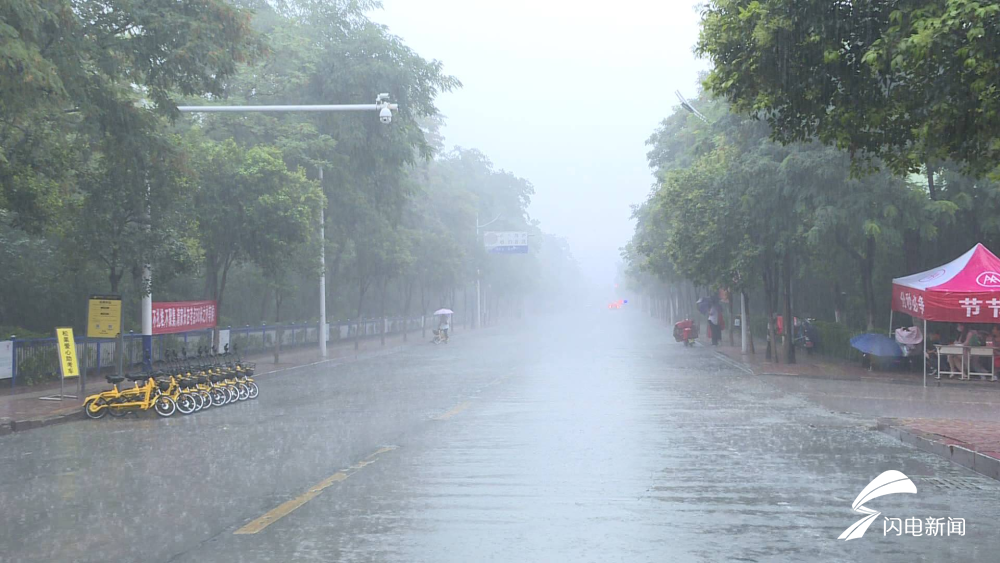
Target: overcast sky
563 93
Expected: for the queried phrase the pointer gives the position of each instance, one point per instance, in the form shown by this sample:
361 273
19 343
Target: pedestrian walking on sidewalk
713 323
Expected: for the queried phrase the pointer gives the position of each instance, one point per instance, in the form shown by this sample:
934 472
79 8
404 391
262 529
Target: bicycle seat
114 379
137 376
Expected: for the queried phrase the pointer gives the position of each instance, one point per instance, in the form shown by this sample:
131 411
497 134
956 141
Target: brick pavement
976 435
969 436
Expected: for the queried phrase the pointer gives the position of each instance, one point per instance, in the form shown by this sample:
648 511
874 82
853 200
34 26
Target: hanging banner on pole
67 353
506 242
182 316
104 316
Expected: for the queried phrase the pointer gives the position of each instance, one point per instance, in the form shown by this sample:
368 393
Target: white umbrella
444 312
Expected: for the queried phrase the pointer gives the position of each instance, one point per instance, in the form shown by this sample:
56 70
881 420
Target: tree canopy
901 83
100 174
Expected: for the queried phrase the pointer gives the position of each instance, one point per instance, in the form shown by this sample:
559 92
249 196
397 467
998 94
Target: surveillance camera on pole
385 108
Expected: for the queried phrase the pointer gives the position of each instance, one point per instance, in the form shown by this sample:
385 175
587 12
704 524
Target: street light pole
384 109
322 274
479 313
689 107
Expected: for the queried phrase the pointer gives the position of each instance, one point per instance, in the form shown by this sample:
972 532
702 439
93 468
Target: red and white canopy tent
965 290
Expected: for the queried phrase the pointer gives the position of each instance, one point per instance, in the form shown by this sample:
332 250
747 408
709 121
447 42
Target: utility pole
322 274
479 301
384 109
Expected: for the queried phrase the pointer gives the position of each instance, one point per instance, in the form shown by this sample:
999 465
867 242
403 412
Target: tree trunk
786 271
114 274
114 279
211 277
769 302
912 251
263 304
931 188
406 309
423 311
381 312
215 286
361 302
746 300
868 287
731 323
838 303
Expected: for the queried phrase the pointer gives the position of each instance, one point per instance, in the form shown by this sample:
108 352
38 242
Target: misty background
564 93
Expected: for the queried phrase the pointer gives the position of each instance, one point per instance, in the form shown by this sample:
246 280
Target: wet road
592 438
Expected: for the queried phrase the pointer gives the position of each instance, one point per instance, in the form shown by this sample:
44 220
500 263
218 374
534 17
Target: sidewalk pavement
26 409
816 366
958 420
972 444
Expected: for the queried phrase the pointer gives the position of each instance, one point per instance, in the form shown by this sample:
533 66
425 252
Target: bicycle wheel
234 395
164 406
185 403
254 391
95 408
219 397
196 399
206 399
115 410
243 392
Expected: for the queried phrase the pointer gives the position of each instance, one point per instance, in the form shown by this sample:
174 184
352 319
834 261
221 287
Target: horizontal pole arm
236 109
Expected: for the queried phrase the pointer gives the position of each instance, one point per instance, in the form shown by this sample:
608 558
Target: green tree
250 207
904 82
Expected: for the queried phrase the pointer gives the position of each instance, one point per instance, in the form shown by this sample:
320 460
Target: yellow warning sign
104 316
67 352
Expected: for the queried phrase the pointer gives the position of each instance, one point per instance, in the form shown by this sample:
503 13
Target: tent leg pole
925 354
890 322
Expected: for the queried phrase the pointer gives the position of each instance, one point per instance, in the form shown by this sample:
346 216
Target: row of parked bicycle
178 384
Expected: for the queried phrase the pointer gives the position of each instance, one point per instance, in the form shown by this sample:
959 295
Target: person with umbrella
444 323
715 321
709 306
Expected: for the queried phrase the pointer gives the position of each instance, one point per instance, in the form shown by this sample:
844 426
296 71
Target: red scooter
686 331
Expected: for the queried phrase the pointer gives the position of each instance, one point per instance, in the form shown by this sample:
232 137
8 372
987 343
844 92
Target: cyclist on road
444 325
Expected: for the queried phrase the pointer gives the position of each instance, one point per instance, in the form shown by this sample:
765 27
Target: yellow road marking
286 508
457 409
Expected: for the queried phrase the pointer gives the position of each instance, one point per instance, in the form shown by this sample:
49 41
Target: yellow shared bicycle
147 393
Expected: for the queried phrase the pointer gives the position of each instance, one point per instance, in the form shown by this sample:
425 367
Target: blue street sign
508 250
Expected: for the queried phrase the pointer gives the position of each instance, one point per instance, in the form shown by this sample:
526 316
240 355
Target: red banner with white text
947 306
182 316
